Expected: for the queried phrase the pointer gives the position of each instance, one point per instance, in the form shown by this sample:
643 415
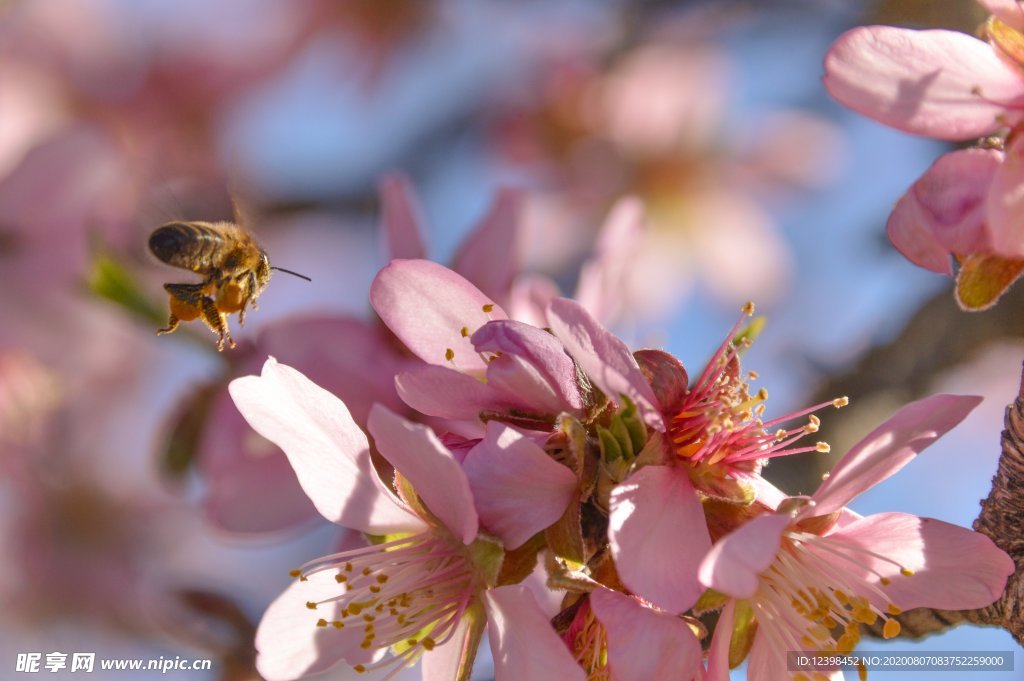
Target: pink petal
1006 203
734 564
401 217
666 376
326 448
288 642
350 358
249 485
937 83
519 490
432 310
954 568
946 210
718 653
524 646
1009 12
604 358
644 643
489 256
442 663
658 536
604 279
889 448
532 365
768 661
418 454
447 393
531 294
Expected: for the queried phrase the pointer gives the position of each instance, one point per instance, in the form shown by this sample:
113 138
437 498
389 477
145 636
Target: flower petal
532 365
519 490
418 454
954 568
450 394
433 311
524 646
603 357
658 536
604 279
889 448
937 83
644 643
401 217
718 653
529 299
946 210
734 563
250 486
1009 12
489 256
326 448
1005 203
289 643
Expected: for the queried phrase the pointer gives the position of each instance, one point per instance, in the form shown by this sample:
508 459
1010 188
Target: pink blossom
434 569
814 566
709 439
952 86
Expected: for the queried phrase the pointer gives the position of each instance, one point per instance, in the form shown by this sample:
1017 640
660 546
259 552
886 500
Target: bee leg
217 323
172 324
184 304
249 299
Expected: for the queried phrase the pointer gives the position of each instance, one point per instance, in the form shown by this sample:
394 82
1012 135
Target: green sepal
487 553
744 630
709 601
517 565
611 450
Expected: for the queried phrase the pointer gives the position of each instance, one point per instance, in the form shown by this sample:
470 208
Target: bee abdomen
189 245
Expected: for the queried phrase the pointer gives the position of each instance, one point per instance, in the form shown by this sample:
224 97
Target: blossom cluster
950 86
589 507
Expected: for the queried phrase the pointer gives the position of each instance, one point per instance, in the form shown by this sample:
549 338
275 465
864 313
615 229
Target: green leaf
110 280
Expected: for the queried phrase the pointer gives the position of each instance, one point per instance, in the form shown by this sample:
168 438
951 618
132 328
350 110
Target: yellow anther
781 434
885 581
762 394
338 624
295 573
367 572
428 643
893 609
807 643
822 447
361 669
449 354
906 572
488 308
819 632
891 629
862 670
464 332
321 622
840 401
382 578
374 589
339 578
753 375
748 308
311 605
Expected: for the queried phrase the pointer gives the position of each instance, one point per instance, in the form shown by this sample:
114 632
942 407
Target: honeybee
234 267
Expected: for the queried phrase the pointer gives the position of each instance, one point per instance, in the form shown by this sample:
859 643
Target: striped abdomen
197 246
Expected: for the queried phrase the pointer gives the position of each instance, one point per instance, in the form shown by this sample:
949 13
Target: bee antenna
294 274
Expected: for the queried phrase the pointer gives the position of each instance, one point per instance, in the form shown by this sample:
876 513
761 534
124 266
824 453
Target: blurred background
139 517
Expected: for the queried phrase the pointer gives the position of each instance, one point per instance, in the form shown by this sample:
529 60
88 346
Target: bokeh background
132 503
